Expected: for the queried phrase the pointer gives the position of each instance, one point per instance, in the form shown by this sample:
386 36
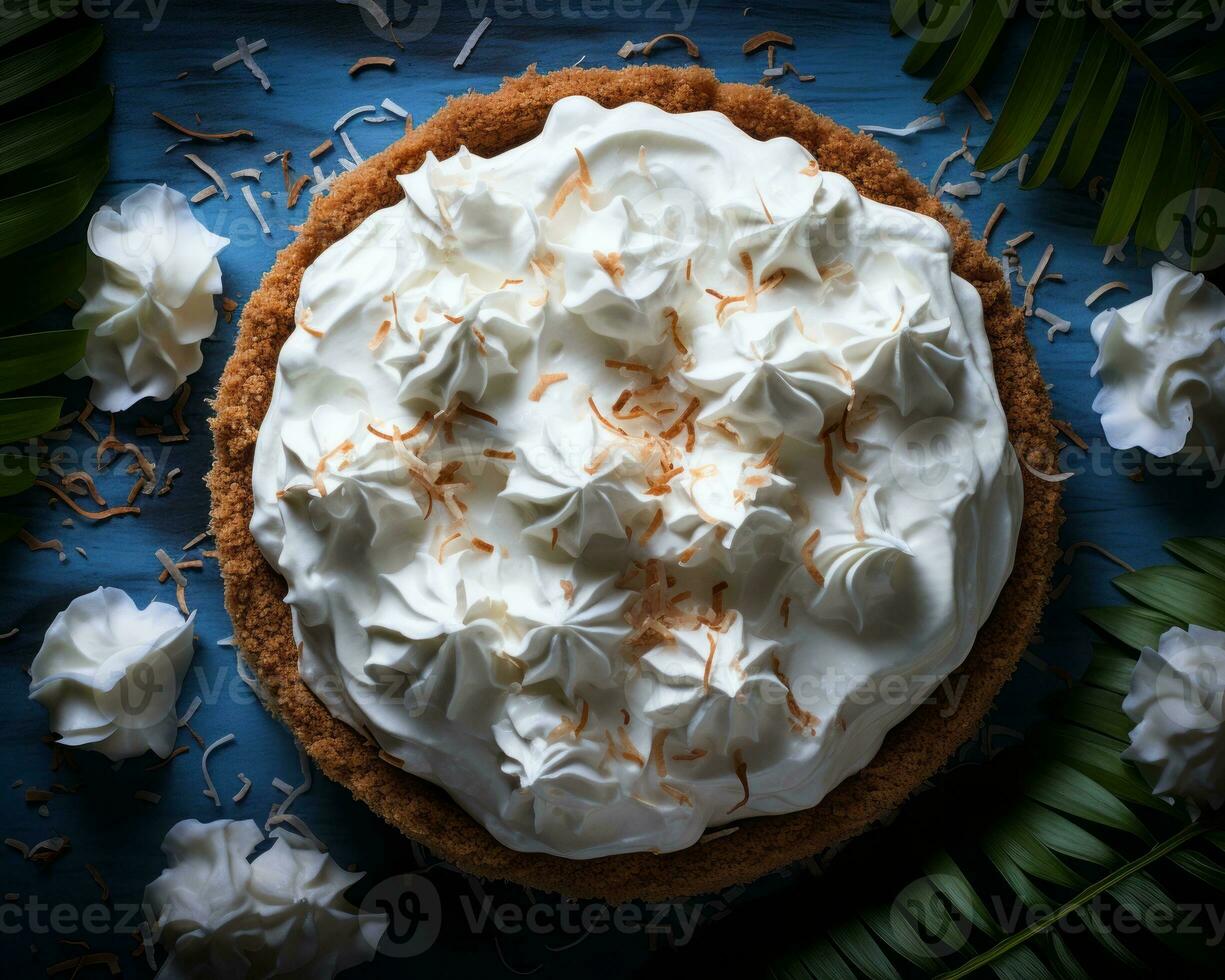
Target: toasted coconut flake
196 134
690 47
677 794
677 426
1036 278
91 515
654 526
1071 433
978 103
371 61
210 790
628 750
442 547
71 480
295 191
321 149
759 41
993 221
657 751
1020 239
674 329
611 264
482 545
380 335
466 409
831 471
806 553
499 453
803 721
1103 289
203 194
742 773
616 429
857 516
784 610
1070 553
146 796
170 567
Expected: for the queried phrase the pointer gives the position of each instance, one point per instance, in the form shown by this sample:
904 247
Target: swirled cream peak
1177 702
1162 364
109 673
151 275
635 480
220 913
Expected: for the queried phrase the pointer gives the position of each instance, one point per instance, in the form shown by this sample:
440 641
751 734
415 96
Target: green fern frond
1172 147
1007 868
52 159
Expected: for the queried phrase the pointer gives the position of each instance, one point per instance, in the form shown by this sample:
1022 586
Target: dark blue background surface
846 45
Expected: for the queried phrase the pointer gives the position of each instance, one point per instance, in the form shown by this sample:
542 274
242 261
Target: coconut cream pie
627 481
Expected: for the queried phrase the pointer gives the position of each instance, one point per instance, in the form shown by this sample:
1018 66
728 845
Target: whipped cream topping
1162 364
218 913
151 274
1177 700
109 674
636 480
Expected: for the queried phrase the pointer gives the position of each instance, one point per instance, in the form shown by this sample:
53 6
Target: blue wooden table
466 927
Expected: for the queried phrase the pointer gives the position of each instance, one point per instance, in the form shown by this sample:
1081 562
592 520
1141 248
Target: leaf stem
1162 80
1105 884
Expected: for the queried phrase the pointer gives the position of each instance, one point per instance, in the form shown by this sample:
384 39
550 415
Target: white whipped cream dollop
635 480
151 274
1162 364
218 913
1177 700
109 674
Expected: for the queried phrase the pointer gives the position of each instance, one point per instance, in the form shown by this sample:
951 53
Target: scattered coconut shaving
357 157
1048 477
1103 289
1114 253
254 206
1071 433
244 54
296 191
466 50
1004 171
371 61
321 149
210 790
921 124
758 41
1036 278
993 221
394 108
255 47
967 188
147 796
1070 553
631 48
196 134
1022 166
977 101
210 173
242 793
250 173
1057 324
203 194
91 515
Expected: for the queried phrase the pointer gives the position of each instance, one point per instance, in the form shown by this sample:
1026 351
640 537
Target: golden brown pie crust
912 752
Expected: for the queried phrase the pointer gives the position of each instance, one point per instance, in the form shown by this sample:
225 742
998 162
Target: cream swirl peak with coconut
636 480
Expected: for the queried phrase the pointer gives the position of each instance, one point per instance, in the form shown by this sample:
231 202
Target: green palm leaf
50 131
33 357
1206 554
36 284
1047 60
32 15
31 216
1136 168
25 418
51 163
1160 162
28 71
